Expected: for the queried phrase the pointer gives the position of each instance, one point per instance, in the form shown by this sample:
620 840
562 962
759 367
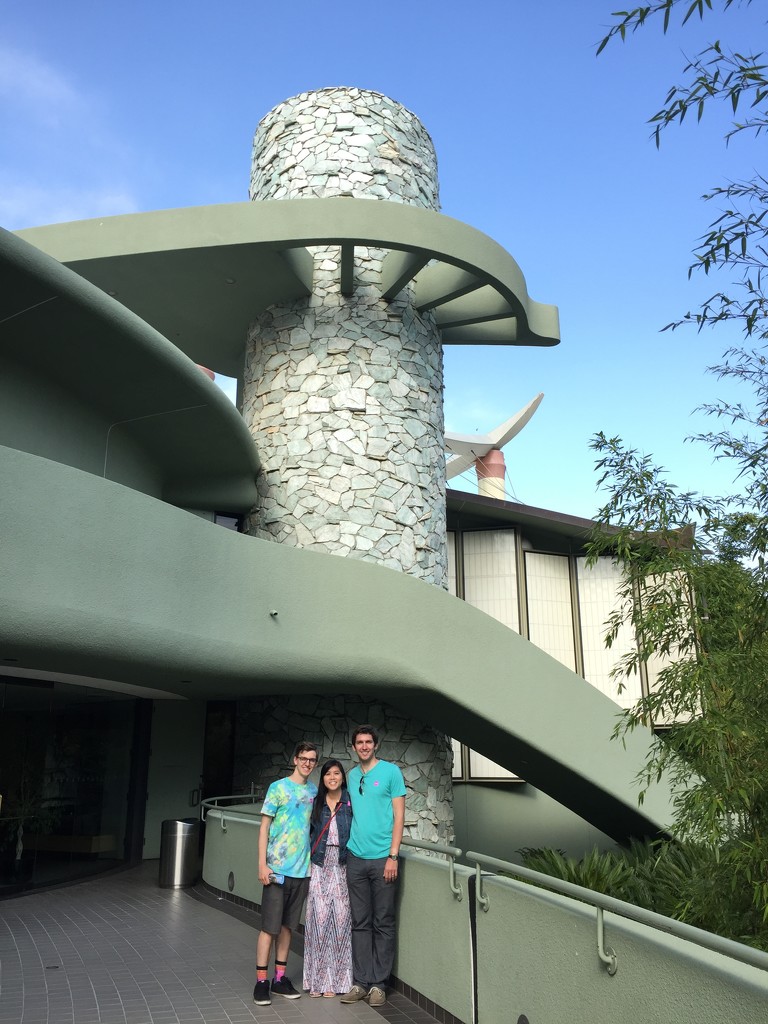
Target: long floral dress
328 927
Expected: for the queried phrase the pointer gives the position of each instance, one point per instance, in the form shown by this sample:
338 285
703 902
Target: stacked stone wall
343 394
345 405
268 730
344 142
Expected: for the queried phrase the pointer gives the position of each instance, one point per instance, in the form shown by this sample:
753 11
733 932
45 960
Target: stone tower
343 392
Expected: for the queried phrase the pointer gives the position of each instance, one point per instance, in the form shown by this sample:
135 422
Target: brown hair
301 747
365 729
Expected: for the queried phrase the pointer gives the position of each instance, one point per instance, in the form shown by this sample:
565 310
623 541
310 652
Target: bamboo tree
735 241
695 598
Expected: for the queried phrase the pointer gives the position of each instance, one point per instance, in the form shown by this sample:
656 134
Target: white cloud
60 157
39 88
23 205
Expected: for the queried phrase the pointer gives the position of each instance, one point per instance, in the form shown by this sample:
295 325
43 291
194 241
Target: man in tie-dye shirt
283 870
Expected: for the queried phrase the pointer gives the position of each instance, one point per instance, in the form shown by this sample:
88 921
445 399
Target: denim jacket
343 825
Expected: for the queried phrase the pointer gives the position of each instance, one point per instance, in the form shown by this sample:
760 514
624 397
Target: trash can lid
180 824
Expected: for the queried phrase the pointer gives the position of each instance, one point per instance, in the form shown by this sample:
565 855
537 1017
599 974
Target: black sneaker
285 988
261 994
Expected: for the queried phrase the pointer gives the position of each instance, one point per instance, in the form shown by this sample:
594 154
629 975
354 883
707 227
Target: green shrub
694 883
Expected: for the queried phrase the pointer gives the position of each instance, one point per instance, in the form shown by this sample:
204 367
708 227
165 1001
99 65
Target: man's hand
390 869
264 871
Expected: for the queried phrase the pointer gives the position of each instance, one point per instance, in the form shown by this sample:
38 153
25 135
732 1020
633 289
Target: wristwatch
393 856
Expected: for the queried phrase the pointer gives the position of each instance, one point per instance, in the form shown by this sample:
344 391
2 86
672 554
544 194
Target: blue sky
108 109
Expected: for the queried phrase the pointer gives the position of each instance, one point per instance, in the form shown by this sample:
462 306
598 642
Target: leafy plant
696 568
696 601
689 882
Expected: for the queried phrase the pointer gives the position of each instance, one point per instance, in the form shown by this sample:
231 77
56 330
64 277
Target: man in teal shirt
377 791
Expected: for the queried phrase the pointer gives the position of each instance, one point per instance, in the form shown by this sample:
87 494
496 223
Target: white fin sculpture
466 450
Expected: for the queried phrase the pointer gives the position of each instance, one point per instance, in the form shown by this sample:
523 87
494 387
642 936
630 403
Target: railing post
480 896
605 953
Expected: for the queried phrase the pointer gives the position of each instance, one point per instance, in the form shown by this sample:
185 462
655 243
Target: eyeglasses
360 787
307 760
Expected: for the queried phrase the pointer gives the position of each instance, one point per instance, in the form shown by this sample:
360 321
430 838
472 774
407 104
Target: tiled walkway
120 950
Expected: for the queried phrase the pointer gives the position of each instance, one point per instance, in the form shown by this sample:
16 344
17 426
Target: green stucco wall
502 818
175 766
534 951
120 586
545 947
40 416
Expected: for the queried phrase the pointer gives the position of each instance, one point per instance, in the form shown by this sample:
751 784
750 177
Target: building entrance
68 775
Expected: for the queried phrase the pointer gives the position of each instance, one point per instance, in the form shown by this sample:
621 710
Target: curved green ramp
118 585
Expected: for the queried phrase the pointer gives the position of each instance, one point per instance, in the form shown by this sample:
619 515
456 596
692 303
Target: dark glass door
66 767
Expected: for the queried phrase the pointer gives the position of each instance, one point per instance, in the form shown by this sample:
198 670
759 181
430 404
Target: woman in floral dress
328 928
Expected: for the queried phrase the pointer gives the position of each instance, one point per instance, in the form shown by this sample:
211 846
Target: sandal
315 995
329 995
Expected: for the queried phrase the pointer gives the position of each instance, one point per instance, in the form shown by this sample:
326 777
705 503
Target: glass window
458 766
490 575
658 588
229 522
452 563
67 770
483 768
598 597
550 616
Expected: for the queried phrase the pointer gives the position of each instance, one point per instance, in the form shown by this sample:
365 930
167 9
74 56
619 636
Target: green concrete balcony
484 941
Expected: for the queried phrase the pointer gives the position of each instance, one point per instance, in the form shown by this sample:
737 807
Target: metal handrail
716 943
601 902
449 852
213 801
224 816
211 807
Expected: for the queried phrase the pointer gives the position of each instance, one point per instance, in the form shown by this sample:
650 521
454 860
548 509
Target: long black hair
319 804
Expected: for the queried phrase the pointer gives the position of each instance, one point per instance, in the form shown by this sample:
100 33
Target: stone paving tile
120 950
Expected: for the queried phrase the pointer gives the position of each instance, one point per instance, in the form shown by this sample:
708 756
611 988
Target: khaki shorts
281 905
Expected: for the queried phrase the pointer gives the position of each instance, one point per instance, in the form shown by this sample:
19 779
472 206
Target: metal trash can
179 853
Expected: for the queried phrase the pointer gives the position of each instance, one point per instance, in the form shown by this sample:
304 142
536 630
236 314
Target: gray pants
372 902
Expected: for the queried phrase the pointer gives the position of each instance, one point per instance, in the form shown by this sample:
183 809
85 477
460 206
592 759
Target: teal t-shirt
372 814
289 805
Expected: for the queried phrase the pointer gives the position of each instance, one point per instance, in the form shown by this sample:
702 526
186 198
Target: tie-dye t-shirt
289 805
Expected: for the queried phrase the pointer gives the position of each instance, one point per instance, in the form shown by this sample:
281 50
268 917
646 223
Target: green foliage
697 599
716 73
690 882
699 614
608 873
736 240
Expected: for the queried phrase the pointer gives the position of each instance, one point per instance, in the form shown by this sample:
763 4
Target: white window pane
451 563
666 589
598 598
490 575
483 768
550 619
457 766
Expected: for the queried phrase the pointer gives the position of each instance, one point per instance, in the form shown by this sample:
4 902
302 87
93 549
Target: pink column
491 473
